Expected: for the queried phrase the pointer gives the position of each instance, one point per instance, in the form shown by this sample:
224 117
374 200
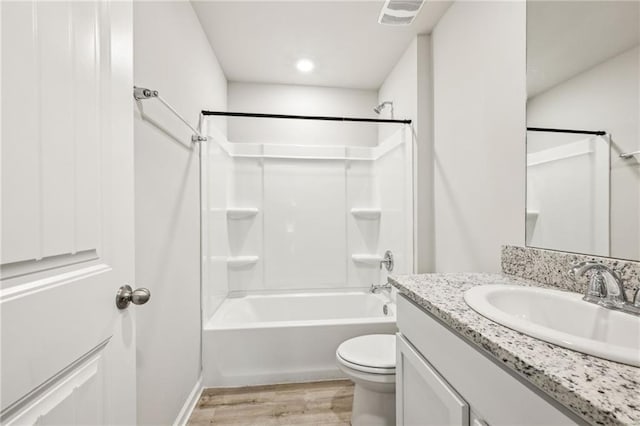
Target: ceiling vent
399 12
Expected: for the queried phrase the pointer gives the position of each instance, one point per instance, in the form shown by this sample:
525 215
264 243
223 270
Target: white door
68 353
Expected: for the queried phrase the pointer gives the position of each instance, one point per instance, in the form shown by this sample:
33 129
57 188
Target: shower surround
298 223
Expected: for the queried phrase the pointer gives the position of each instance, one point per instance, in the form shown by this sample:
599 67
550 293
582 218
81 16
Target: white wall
479 130
172 55
604 97
301 100
409 87
401 87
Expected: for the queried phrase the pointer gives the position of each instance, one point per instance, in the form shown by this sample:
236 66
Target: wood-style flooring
317 403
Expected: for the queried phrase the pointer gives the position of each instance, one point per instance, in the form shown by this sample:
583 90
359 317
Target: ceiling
260 41
565 38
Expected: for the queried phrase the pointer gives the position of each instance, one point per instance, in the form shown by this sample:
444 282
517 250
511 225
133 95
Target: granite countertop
597 390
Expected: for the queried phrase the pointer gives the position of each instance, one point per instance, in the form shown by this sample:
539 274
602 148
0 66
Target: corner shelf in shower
242 212
369 214
242 261
368 259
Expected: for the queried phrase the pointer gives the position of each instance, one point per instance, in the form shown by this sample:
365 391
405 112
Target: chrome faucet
605 287
377 287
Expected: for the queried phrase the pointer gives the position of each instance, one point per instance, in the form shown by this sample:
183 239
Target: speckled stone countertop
597 390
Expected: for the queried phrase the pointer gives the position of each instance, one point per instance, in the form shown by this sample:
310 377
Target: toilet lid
373 351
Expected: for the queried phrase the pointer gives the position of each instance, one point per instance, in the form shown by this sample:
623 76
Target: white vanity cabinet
441 379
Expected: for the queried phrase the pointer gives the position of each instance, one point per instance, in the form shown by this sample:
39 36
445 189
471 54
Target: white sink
561 318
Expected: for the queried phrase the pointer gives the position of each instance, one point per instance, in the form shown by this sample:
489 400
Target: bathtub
266 339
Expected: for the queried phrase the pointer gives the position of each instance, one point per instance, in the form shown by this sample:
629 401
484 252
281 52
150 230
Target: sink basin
561 318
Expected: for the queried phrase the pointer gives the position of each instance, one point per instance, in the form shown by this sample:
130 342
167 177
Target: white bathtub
264 339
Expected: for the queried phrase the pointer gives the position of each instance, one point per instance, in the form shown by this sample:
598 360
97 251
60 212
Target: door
423 397
68 353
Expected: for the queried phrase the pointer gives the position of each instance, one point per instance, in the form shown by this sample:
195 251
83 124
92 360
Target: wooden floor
317 403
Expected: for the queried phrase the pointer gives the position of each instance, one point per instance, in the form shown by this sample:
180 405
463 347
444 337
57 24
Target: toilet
370 362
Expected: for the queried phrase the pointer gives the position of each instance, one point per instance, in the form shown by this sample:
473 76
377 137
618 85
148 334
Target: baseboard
189 404
259 379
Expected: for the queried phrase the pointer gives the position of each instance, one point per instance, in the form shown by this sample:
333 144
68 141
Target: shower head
380 107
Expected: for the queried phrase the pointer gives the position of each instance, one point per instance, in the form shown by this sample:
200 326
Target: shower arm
380 107
141 93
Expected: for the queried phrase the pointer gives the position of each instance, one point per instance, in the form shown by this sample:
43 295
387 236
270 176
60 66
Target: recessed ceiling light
305 65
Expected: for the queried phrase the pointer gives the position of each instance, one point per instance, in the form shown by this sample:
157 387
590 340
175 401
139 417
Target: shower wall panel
363 233
304 224
393 179
299 218
245 225
216 170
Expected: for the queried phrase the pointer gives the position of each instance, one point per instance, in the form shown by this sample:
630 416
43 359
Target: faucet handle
596 289
636 299
387 261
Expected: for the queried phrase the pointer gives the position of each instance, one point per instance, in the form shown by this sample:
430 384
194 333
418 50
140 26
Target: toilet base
373 408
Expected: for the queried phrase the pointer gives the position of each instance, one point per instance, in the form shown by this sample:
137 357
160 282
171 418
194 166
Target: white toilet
370 362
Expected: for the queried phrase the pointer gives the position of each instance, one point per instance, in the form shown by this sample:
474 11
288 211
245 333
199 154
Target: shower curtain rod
581 132
305 117
141 93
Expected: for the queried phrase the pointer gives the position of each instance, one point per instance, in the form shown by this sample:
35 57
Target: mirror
583 127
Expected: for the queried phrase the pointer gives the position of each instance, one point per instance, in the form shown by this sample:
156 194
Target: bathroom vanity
457 367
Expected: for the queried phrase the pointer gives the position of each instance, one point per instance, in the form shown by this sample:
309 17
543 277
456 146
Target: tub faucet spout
378 287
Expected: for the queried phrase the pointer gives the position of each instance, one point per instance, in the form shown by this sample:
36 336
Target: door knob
126 295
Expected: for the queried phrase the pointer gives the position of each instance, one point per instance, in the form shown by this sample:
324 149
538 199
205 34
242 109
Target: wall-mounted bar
580 132
629 154
305 117
141 93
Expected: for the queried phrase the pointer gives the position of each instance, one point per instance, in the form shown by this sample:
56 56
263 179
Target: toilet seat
373 354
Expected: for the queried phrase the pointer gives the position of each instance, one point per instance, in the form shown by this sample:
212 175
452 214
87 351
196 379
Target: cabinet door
423 397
